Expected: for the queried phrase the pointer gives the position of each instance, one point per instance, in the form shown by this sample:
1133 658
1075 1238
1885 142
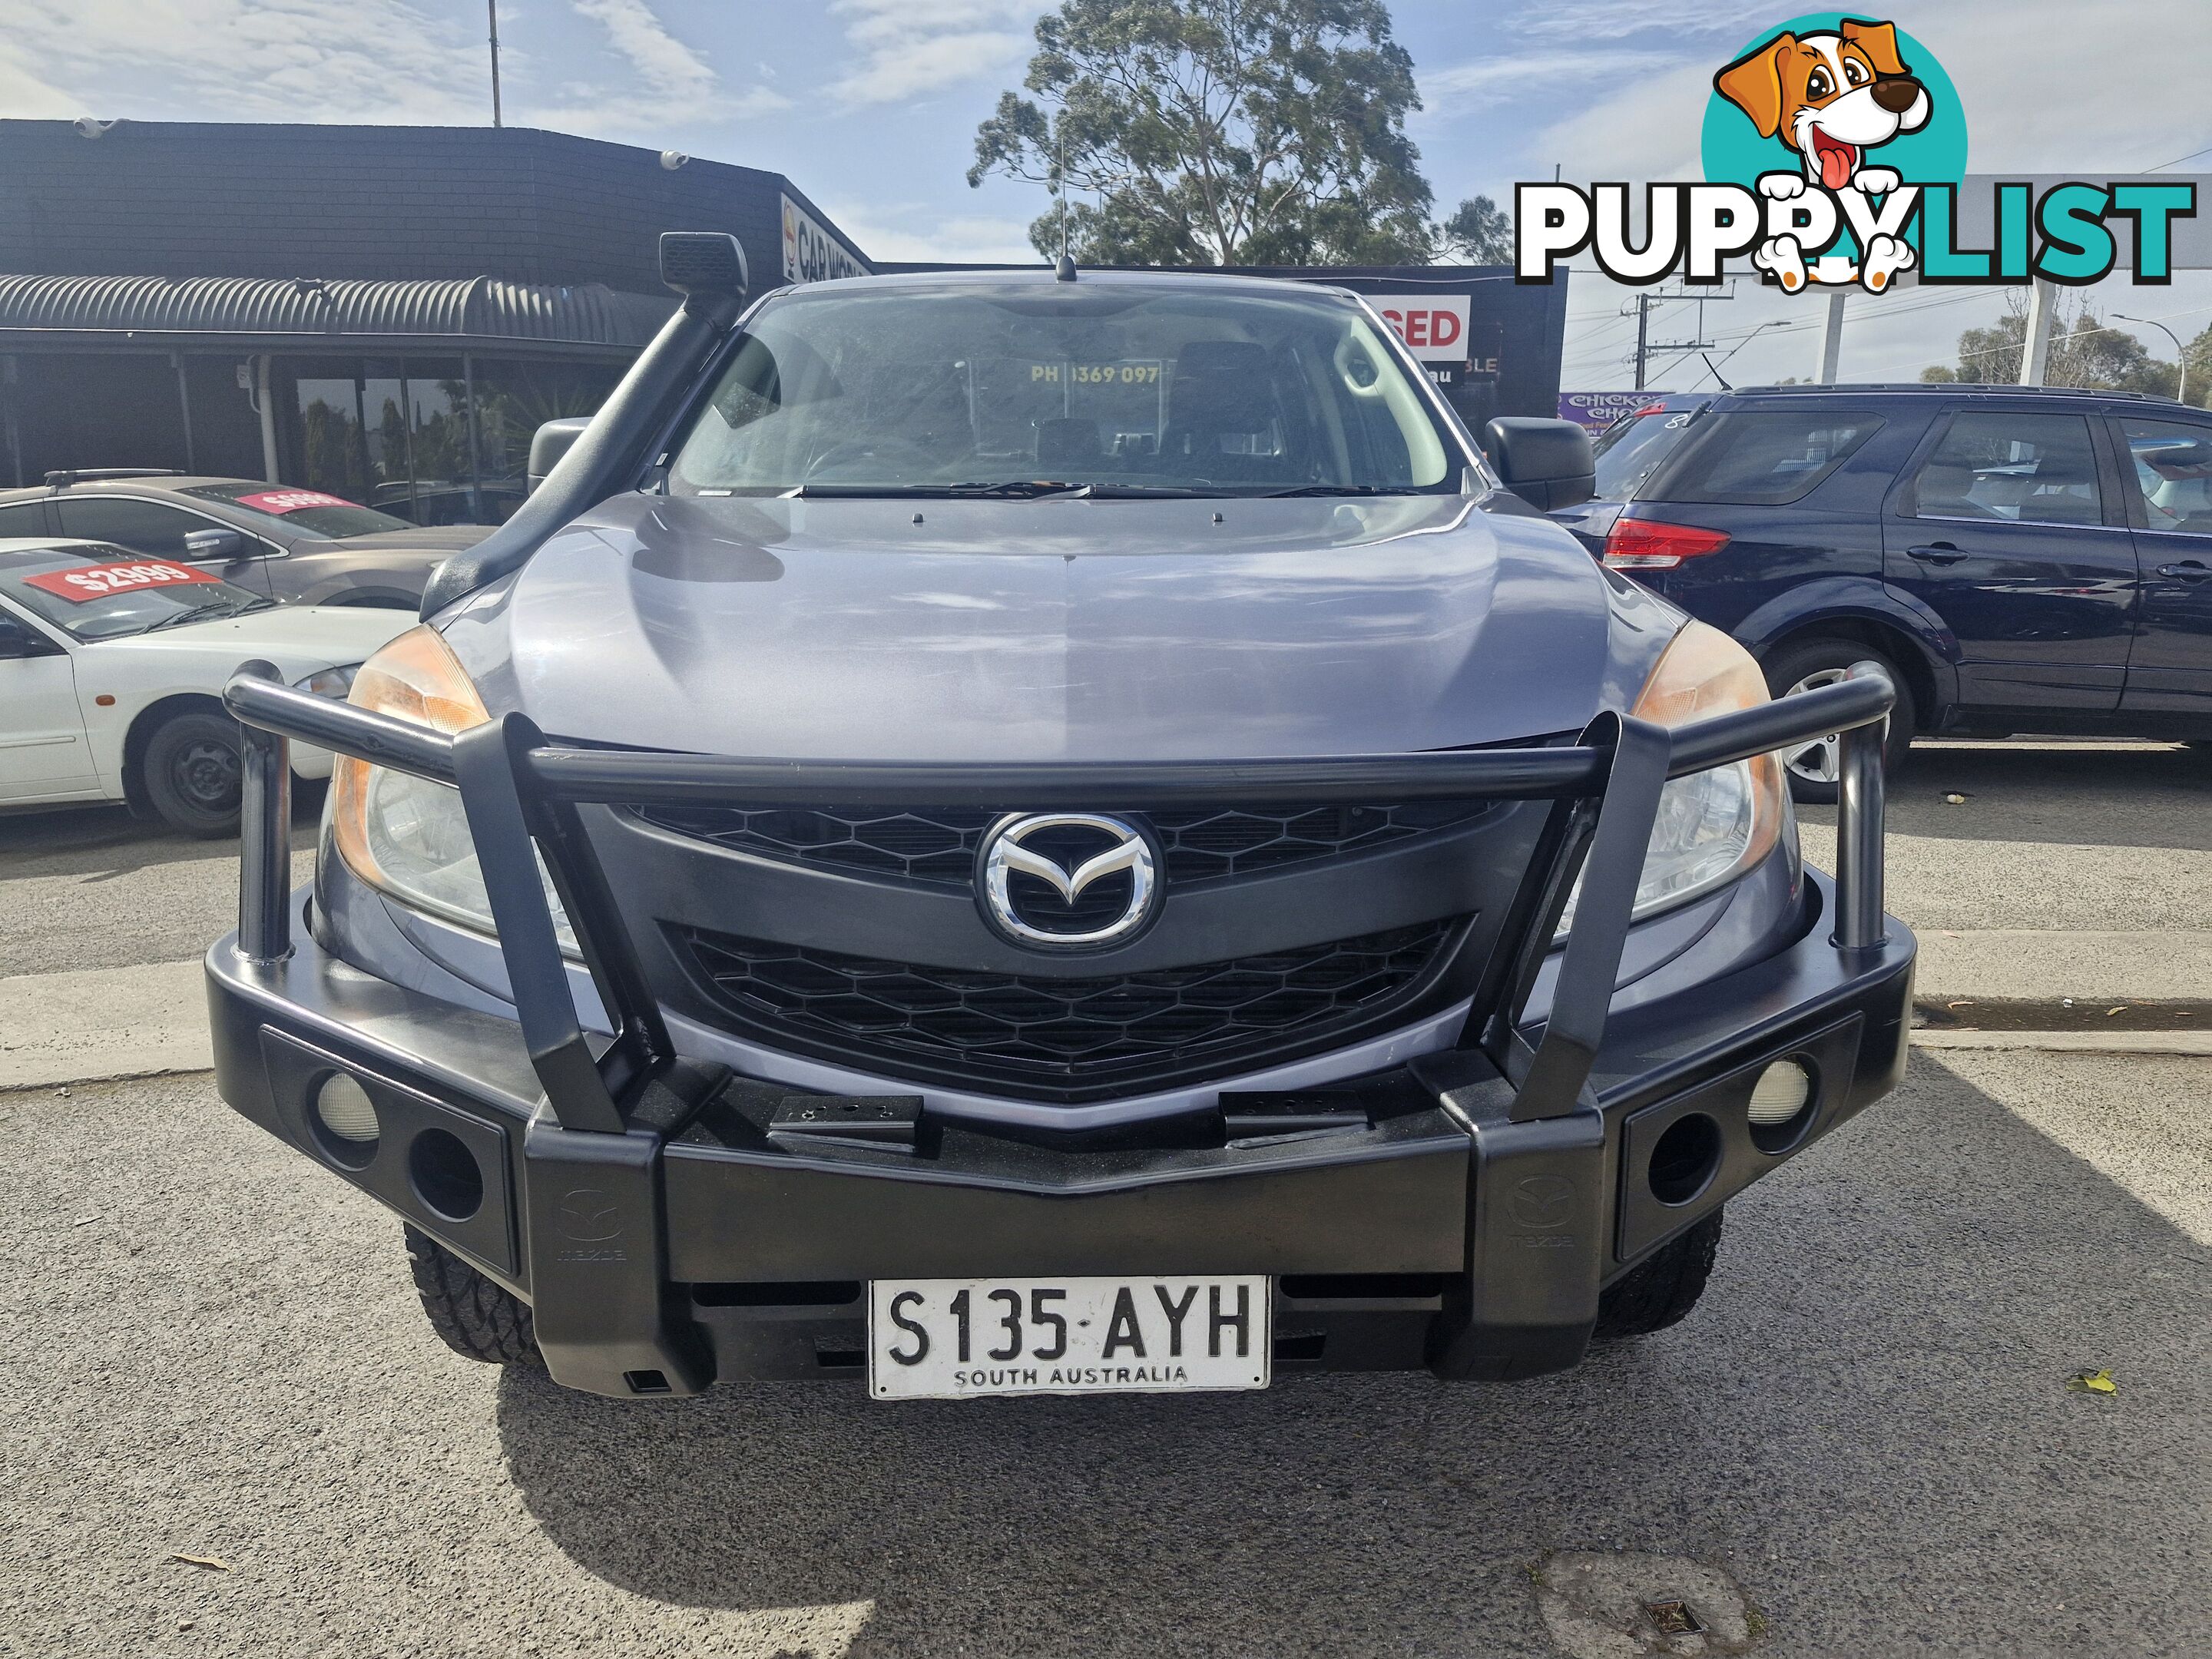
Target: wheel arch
1907 632
146 722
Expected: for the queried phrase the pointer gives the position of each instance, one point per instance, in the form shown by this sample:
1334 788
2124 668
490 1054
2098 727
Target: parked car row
129 596
2026 559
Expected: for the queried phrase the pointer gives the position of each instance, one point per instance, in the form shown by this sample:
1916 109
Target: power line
2179 160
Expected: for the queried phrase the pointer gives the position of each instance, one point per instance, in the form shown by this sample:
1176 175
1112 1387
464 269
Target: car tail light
1647 545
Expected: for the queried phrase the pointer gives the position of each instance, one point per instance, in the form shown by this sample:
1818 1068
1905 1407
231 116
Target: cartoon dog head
1830 97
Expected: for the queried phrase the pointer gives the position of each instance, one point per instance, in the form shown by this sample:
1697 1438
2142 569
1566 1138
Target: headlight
1712 826
329 682
403 835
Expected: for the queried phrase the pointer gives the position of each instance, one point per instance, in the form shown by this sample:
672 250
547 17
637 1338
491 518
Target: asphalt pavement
214 1352
1865 1435
93 887
2064 836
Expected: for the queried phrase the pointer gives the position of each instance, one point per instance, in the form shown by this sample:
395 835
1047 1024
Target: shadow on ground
99 842
1867 1423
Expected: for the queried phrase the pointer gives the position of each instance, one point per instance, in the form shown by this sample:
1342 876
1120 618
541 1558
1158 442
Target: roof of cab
1206 281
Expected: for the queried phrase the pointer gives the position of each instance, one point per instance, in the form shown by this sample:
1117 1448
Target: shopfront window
432 441
513 400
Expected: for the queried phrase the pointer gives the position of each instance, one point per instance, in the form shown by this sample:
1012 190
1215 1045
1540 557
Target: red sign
1433 325
97 582
290 500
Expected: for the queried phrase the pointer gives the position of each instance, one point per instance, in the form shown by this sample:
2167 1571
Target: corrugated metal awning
234 313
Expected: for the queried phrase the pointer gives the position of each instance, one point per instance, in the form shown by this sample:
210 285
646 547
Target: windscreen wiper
1007 490
195 614
1336 490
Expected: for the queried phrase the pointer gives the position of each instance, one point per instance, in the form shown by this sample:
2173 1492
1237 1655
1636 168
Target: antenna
1063 270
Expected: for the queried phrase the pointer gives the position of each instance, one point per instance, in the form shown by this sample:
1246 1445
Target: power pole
1832 343
492 6
1646 347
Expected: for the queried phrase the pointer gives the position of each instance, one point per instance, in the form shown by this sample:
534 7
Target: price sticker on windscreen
97 582
289 500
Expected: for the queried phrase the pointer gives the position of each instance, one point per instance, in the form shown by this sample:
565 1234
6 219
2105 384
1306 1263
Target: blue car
2024 559
1626 454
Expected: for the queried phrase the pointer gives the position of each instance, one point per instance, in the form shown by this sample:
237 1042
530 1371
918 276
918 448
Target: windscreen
1013 389
92 592
331 517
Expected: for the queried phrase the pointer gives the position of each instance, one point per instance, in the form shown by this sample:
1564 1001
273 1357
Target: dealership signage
811 254
1600 409
1434 326
1834 153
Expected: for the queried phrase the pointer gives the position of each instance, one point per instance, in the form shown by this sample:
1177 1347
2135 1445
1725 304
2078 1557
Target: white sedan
112 669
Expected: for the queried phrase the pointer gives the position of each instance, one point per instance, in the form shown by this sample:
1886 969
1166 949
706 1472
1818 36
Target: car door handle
2189 570
1941 553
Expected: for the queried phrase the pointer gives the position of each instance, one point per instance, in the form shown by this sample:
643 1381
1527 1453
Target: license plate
951 1338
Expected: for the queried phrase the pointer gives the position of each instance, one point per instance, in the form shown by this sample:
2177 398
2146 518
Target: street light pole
2180 353
492 6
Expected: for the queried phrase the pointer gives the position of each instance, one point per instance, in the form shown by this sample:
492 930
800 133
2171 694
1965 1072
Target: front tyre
1808 664
192 772
474 1316
1659 1289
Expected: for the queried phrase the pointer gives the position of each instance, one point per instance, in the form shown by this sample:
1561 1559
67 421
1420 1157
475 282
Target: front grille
1064 1038
938 845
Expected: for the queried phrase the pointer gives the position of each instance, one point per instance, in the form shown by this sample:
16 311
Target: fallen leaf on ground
2122 1009
1955 800
2096 1381
213 1563
1963 1002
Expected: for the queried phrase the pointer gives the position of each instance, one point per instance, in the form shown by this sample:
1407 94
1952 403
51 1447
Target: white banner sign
1433 325
811 254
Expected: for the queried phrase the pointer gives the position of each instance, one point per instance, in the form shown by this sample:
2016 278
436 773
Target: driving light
1780 1094
1711 826
342 1106
405 835
329 682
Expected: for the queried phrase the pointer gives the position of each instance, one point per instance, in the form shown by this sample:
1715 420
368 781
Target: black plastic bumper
1406 1218
671 1224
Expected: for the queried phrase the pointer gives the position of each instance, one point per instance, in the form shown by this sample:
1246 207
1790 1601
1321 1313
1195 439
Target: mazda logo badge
1036 870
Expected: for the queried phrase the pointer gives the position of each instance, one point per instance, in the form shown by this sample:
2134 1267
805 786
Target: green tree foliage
1478 233
1209 132
2084 352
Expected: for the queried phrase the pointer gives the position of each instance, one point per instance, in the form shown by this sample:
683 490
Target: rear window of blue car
1759 456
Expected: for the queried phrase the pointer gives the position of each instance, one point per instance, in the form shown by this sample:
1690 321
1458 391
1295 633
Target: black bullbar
1463 1211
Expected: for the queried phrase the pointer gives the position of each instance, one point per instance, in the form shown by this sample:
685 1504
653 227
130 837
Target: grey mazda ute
1051 831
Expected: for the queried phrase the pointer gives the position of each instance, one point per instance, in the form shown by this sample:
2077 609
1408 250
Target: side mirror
1548 464
17 641
220 544
550 443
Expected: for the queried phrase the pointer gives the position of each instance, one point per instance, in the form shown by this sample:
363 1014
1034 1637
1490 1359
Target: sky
870 107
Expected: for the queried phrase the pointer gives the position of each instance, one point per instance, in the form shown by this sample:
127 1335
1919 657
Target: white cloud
907 48
1482 81
1601 20
884 231
298 60
25 97
665 64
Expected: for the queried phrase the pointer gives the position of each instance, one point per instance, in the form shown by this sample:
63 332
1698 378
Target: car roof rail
62 478
1937 387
